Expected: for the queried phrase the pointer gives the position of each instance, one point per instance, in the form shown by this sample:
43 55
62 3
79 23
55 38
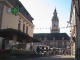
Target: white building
21 21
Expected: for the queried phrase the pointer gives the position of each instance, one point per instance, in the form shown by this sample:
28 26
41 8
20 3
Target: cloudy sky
42 12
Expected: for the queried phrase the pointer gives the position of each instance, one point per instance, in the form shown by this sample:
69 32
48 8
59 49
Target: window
19 22
34 43
45 38
67 43
37 43
53 43
62 38
19 6
23 27
62 46
62 43
56 43
40 38
26 29
26 14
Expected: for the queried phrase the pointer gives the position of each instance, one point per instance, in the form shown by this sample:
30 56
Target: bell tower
55 23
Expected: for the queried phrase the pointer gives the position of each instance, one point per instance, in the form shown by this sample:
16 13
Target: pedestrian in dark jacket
38 50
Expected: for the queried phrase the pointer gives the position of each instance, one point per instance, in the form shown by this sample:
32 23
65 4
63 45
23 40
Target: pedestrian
31 48
63 52
38 50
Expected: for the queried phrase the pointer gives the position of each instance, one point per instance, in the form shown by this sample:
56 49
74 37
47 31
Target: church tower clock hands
55 23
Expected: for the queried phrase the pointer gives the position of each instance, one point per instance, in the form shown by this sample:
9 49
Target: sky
42 12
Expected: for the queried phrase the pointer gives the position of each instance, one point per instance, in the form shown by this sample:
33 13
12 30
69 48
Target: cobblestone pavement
63 56
57 57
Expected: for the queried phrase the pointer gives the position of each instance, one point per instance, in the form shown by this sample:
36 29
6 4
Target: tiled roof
51 36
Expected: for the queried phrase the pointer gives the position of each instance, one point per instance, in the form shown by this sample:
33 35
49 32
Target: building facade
55 38
72 29
75 16
58 40
21 21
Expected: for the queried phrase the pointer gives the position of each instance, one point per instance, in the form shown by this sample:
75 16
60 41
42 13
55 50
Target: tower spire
55 7
55 23
55 12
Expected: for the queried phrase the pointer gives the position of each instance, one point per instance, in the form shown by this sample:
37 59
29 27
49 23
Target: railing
18 53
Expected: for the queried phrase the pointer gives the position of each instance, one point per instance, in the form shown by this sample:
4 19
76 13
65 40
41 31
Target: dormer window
19 6
62 38
53 38
26 15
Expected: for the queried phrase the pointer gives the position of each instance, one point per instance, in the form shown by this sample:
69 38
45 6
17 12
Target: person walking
38 50
63 52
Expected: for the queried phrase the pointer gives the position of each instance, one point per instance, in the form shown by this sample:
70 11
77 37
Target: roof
24 8
10 32
34 39
15 2
51 36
